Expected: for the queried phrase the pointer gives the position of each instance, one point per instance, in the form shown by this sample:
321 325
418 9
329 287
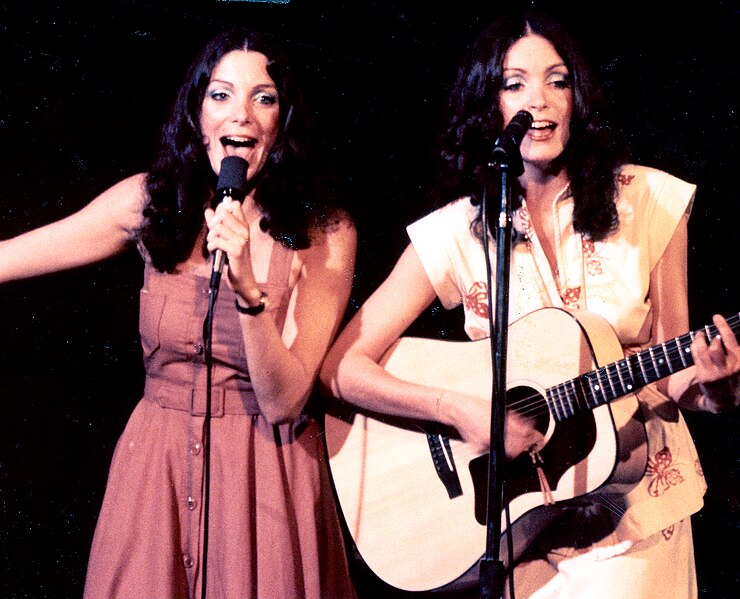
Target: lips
239 145
238 142
542 130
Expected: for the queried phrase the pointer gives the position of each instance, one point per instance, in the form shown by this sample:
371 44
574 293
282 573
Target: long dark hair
594 151
180 183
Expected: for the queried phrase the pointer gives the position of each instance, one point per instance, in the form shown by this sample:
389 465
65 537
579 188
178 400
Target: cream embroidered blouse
610 278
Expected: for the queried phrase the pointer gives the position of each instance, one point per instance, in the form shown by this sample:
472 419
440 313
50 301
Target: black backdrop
84 89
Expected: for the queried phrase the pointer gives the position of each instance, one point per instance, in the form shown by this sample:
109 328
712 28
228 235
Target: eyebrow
552 67
230 83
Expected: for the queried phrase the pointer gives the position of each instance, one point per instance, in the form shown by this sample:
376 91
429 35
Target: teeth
543 125
239 143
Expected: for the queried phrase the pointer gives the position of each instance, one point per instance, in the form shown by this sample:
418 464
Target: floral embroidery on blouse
593 265
571 297
625 179
663 472
522 223
476 299
668 532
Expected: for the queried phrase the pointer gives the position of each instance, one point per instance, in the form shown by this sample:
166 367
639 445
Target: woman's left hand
228 231
718 367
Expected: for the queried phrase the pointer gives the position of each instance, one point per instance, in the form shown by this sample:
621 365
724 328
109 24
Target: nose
537 97
242 112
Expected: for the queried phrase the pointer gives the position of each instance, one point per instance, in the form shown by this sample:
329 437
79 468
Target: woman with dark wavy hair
248 482
594 151
591 233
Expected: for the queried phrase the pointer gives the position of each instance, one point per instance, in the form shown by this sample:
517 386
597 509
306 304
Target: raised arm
713 383
100 230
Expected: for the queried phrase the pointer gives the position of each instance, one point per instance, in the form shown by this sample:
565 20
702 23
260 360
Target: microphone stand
230 185
208 345
492 571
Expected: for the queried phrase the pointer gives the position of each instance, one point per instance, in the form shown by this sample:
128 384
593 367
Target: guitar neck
608 383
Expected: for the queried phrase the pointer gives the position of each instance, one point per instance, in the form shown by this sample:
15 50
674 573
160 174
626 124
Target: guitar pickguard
567 444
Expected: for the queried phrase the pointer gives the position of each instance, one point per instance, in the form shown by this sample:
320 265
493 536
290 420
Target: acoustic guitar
413 495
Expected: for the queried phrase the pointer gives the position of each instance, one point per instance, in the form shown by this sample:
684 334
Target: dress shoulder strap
281 261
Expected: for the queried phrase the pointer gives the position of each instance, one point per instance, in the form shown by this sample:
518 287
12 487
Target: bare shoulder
125 201
336 238
129 192
333 247
338 231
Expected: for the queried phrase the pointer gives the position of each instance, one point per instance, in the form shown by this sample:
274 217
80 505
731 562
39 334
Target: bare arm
351 370
100 230
284 366
713 383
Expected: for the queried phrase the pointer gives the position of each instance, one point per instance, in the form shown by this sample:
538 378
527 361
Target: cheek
206 123
508 109
568 115
272 122
271 129
207 135
211 118
205 129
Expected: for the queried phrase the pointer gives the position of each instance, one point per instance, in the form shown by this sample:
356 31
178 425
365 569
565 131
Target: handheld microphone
232 183
507 145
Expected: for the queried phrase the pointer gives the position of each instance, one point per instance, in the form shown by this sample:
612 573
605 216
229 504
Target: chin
542 159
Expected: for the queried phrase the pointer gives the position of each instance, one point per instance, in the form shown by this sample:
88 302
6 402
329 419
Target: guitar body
410 530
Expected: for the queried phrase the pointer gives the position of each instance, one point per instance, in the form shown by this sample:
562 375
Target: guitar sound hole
567 443
530 404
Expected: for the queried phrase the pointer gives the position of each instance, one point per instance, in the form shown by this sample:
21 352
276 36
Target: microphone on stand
231 185
506 149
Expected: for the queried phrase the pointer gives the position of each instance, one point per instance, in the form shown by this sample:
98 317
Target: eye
266 98
512 84
218 95
559 80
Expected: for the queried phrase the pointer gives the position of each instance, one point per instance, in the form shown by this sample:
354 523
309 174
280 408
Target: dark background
84 90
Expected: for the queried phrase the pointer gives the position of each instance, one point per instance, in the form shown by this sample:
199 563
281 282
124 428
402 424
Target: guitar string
609 504
536 404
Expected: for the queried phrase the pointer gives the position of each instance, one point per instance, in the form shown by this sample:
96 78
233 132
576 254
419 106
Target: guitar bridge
444 463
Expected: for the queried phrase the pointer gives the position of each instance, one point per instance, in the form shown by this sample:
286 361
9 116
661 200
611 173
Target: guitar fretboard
603 385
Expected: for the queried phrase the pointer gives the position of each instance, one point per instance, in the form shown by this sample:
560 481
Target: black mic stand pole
492 570
208 343
230 185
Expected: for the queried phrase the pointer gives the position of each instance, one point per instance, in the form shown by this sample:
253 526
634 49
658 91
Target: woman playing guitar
593 233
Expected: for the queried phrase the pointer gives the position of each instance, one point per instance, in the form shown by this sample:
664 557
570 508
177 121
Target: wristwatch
252 310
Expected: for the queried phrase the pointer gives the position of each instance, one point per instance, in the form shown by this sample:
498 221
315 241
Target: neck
540 187
251 210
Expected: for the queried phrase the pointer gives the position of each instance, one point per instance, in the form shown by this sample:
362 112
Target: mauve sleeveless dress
273 527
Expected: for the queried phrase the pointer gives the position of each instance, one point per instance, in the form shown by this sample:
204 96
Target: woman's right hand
228 231
471 417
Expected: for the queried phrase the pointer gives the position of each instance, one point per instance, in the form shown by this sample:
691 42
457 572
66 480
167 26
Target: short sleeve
441 241
672 198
